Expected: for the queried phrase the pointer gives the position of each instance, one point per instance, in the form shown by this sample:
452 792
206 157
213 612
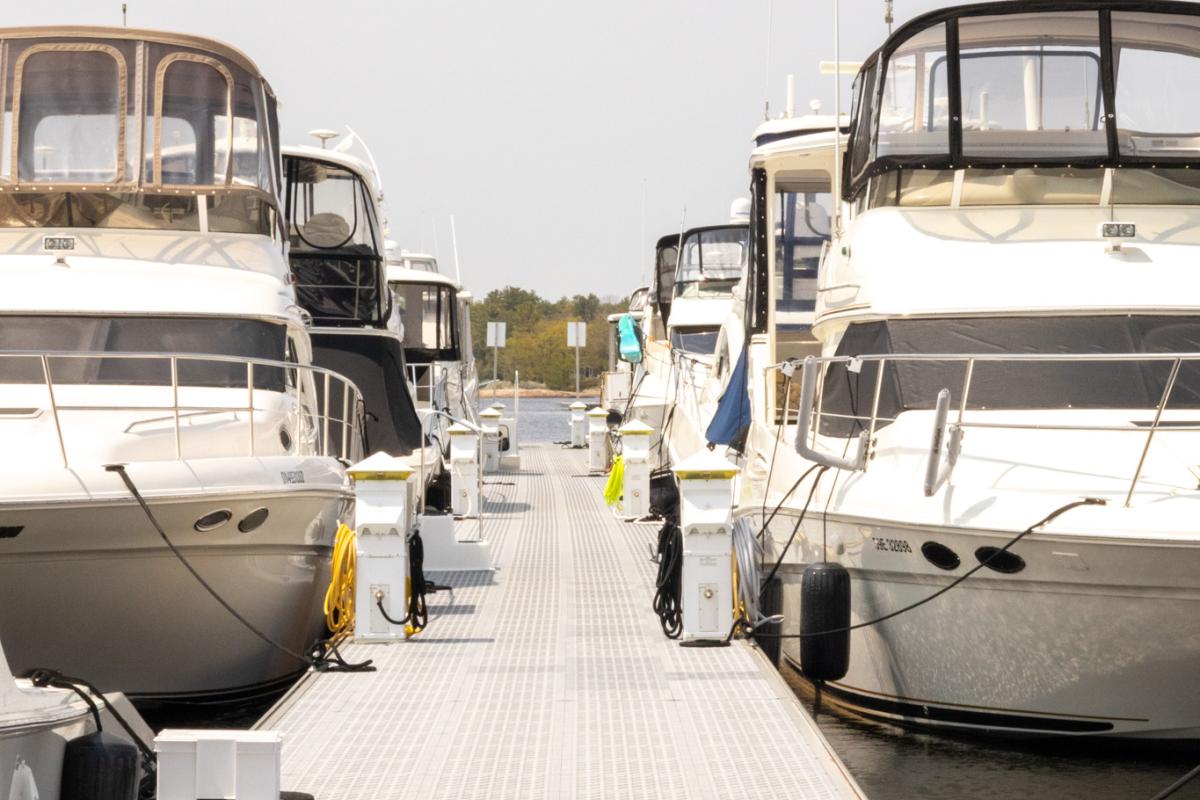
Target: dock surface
552 679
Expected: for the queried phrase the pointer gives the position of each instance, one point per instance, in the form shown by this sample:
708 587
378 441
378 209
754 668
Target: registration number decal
292 476
892 545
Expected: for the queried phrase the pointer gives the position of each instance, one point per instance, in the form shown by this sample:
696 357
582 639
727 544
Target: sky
563 137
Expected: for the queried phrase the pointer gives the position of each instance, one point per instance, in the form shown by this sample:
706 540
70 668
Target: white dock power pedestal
489 420
705 516
381 522
578 424
635 450
597 420
464 471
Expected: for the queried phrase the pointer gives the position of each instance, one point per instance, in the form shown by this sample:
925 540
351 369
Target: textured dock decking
553 680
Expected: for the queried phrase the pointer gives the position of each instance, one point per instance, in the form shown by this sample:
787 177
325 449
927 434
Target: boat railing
335 434
804 406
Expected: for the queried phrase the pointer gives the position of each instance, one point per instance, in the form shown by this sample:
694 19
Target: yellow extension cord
339 599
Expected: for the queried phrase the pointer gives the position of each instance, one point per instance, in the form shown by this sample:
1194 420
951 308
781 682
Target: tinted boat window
1013 384
100 335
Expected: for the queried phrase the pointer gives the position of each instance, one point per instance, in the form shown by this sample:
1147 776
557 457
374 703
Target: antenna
324 134
454 241
767 66
642 240
124 17
790 100
371 159
887 15
837 126
679 247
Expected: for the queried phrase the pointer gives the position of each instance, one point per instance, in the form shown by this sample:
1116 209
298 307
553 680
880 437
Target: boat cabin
116 128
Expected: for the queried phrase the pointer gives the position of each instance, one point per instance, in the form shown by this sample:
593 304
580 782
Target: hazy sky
539 124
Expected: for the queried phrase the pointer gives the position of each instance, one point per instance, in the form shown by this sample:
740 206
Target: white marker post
577 338
497 334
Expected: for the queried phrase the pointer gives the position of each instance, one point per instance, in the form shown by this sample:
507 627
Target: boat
152 350
998 389
337 256
434 311
36 722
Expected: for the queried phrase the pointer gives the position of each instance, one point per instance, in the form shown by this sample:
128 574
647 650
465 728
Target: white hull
1091 637
89 588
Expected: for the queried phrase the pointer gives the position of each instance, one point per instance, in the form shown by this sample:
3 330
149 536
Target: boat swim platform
551 678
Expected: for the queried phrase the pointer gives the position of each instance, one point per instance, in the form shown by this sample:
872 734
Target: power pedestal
381 527
705 511
597 421
464 471
489 420
578 424
635 450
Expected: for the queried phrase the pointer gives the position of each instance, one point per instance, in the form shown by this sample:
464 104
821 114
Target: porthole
285 439
999 560
10 531
254 520
940 556
213 520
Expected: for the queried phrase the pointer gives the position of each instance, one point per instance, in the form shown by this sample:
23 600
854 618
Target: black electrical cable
799 521
1177 785
669 584
303 658
418 611
1087 501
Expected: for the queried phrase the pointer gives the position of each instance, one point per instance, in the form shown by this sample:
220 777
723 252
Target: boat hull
90 589
1090 637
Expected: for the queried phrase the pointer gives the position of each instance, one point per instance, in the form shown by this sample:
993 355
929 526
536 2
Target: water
543 419
891 763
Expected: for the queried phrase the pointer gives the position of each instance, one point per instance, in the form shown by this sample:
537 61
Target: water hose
339 598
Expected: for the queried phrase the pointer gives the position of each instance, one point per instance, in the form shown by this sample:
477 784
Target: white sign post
577 338
496 336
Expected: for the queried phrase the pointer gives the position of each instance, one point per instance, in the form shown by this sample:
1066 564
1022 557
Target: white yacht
1008 326
435 318
35 725
337 256
148 323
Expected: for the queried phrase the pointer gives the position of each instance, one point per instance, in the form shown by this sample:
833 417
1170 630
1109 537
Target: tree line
537 336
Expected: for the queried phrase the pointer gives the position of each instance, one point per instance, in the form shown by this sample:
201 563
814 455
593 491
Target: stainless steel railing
947 435
314 419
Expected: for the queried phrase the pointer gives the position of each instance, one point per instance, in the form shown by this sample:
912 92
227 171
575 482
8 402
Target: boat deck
553 679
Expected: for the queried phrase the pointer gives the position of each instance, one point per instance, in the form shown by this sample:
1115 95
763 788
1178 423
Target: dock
552 679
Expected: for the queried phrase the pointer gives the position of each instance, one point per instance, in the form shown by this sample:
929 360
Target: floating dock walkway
552 679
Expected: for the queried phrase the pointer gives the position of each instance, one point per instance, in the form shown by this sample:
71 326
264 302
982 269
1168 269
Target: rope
339 598
1087 501
303 658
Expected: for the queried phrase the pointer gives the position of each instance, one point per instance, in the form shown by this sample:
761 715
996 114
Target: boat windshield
701 341
983 88
335 253
98 336
711 260
127 132
427 311
802 227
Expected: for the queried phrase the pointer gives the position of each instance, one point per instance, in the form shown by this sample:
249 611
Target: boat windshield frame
688 274
128 106
937 144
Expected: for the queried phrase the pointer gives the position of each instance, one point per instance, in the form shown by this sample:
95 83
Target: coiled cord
668 592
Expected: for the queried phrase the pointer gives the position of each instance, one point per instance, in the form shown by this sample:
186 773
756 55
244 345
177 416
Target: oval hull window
1004 561
213 520
254 520
940 556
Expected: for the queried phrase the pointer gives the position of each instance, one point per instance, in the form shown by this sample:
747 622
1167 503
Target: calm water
892 763
543 419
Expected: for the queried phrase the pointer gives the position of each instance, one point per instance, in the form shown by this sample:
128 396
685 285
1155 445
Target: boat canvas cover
375 364
732 420
1011 384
